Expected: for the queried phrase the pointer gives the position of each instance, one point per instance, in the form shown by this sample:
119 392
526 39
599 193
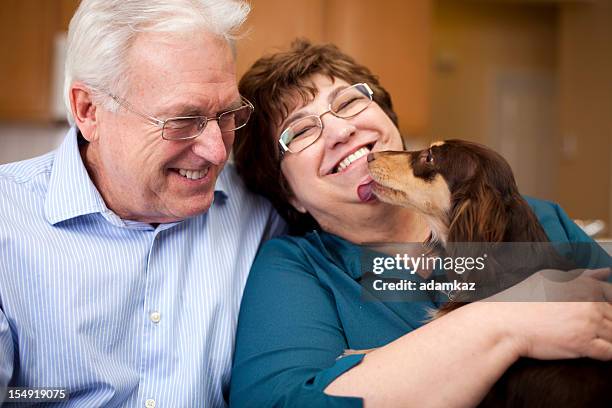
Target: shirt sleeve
289 336
6 354
560 228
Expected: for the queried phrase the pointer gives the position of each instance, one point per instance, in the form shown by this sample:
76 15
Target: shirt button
150 403
155 318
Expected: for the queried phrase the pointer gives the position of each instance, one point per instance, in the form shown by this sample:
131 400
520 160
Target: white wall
18 142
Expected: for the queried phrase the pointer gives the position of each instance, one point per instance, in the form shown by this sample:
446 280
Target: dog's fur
467 192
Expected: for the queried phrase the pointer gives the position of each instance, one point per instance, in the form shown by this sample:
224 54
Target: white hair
101 33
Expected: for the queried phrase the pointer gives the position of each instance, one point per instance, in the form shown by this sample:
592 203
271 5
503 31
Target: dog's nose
371 157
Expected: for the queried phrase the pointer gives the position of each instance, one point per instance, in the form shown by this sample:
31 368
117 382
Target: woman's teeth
193 174
351 158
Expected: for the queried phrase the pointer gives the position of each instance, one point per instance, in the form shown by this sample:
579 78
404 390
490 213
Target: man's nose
211 143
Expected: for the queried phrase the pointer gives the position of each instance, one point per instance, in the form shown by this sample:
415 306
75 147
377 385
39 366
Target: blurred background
530 78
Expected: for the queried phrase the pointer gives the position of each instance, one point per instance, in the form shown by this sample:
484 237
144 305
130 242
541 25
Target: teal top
302 307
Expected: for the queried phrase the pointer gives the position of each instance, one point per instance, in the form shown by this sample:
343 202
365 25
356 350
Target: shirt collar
221 186
71 192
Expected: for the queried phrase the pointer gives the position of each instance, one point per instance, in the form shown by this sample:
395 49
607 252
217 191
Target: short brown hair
272 85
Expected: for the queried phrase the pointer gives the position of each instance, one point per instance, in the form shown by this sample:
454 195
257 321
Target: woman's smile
330 178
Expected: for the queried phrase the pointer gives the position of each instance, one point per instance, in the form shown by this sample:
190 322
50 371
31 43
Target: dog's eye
429 158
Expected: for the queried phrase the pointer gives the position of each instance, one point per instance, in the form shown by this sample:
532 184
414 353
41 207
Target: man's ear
297 205
84 110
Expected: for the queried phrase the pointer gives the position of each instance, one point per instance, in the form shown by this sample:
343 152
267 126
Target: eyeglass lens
186 128
348 103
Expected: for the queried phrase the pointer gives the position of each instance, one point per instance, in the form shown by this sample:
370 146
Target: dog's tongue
364 192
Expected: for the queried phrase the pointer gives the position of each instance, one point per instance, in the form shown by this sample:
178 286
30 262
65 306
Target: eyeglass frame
285 149
162 123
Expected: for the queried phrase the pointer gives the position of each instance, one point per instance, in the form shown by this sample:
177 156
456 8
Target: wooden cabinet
392 38
27 31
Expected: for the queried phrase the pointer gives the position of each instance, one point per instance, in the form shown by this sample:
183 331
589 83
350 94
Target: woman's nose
337 130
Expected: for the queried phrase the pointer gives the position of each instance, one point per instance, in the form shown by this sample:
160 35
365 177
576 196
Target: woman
305 149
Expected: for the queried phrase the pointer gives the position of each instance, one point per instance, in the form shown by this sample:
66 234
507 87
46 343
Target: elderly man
123 254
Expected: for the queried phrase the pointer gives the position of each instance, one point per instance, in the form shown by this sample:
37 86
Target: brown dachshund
467 192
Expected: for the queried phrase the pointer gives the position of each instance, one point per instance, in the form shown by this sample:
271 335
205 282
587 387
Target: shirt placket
154 329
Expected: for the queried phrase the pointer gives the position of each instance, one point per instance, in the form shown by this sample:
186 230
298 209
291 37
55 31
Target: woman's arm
454 361
290 334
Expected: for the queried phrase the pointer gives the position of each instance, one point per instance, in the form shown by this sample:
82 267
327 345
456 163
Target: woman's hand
574 321
475 345
579 285
558 330
550 285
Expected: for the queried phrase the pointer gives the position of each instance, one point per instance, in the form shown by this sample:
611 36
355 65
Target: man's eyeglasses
303 132
190 127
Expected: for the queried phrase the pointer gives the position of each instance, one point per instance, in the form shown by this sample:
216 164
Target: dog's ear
489 216
523 223
479 217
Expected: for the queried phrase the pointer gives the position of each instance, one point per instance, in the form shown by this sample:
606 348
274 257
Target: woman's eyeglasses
305 131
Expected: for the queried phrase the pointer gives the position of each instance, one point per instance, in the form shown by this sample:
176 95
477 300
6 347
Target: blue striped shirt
117 312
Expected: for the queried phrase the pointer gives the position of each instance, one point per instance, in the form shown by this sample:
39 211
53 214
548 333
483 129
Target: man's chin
186 198
193 206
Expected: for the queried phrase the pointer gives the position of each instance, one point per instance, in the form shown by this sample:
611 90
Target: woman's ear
291 198
84 110
297 205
